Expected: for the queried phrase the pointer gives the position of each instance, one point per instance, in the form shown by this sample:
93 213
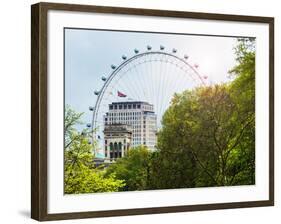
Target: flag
121 94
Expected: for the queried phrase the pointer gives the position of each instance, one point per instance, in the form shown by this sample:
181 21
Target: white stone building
118 139
137 115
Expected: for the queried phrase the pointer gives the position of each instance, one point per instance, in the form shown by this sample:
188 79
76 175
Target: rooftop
131 105
131 102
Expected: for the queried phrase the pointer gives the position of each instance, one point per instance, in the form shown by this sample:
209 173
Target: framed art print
139 111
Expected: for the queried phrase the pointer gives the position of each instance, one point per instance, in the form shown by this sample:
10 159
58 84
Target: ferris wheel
152 76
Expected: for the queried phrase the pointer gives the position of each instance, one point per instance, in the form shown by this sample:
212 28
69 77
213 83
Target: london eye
152 75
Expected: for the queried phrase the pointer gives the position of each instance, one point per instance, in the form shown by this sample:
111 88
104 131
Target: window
139 106
115 107
115 149
129 106
120 106
134 106
119 148
110 107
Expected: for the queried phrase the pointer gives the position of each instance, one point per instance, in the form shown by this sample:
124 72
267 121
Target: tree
208 134
133 169
80 175
242 91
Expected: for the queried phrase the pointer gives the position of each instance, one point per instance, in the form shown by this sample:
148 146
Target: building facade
118 138
138 116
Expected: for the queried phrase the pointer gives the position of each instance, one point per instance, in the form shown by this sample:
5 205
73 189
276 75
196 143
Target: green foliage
204 140
80 175
242 91
208 134
243 86
133 169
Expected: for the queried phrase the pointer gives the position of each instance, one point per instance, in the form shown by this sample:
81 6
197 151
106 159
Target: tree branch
203 167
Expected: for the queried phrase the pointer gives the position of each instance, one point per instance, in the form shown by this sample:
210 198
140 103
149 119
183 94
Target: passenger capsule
91 108
186 56
136 51
89 125
124 57
149 47
162 47
103 78
113 66
174 50
96 92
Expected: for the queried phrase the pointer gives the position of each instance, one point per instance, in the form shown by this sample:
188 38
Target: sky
90 53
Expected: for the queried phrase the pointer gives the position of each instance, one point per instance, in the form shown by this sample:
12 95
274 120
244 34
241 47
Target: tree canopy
208 134
133 169
80 174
